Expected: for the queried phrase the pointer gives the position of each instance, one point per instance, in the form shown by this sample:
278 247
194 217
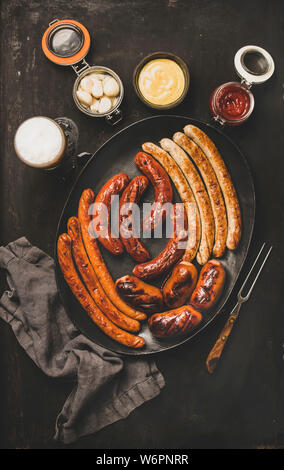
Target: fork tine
250 271
258 273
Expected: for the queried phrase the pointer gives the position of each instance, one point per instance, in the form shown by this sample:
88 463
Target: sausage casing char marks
226 184
201 197
173 250
209 286
139 294
91 281
162 187
131 195
114 187
82 295
179 286
185 194
96 259
213 188
175 322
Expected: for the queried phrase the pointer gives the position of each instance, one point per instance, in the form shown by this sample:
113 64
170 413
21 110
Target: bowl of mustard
161 80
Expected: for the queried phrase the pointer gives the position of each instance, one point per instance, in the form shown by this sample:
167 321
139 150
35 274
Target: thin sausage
132 195
139 294
201 197
209 286
179 287
71 277
171 253
162 187
114 187
224 178
185 194
213 188
91 281
174 322
96 258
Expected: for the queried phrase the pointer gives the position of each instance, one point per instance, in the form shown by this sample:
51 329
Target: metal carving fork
217 349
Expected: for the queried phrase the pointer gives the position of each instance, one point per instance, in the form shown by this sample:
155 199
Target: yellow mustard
161 81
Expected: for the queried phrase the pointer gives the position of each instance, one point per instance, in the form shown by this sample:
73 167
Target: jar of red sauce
233 102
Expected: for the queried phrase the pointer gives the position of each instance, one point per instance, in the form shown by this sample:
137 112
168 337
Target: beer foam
38 141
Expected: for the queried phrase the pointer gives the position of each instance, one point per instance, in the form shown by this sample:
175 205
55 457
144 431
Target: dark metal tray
117 155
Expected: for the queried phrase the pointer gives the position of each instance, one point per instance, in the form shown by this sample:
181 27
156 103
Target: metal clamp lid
254 65
114 118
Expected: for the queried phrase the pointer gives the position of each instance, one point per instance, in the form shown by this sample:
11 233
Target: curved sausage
171 253
140 295
132 194
209 286
174 322
162 187
71 277
91 281
228 190
213 188
201 197
185 194
113 187
179 287
96 258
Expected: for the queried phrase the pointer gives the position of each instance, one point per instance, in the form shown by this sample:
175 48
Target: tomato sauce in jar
231 103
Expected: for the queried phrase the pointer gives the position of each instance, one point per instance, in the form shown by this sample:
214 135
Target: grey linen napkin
107 387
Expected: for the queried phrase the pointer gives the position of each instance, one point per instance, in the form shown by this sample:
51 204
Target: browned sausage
185 193
140 295
213 188
113 187
201 197
171 253
71 277
224 178
96 258
178 288
162 187
174 322
91 281
132 195
209 286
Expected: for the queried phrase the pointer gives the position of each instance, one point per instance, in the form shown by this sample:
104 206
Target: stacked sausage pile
201 178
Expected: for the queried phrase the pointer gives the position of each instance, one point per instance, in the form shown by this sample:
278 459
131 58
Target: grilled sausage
229 192
171 253
91 281
213 188
86 301
140 295
179 287
162 187
209 286
132 243
174 322
185 194
96 258
113 187
201 197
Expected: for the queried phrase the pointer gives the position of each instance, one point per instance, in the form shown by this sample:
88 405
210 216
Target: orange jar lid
66 42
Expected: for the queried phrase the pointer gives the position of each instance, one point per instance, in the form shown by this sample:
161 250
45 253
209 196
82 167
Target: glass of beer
42 142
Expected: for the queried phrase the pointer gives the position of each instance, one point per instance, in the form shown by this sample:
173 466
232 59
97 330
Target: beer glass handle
68 171
82 158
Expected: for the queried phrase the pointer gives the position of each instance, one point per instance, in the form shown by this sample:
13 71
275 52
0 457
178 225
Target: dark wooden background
242 404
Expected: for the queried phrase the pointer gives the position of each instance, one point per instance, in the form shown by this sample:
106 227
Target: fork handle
218 347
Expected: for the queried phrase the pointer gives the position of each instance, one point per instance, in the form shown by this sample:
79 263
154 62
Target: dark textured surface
241 405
